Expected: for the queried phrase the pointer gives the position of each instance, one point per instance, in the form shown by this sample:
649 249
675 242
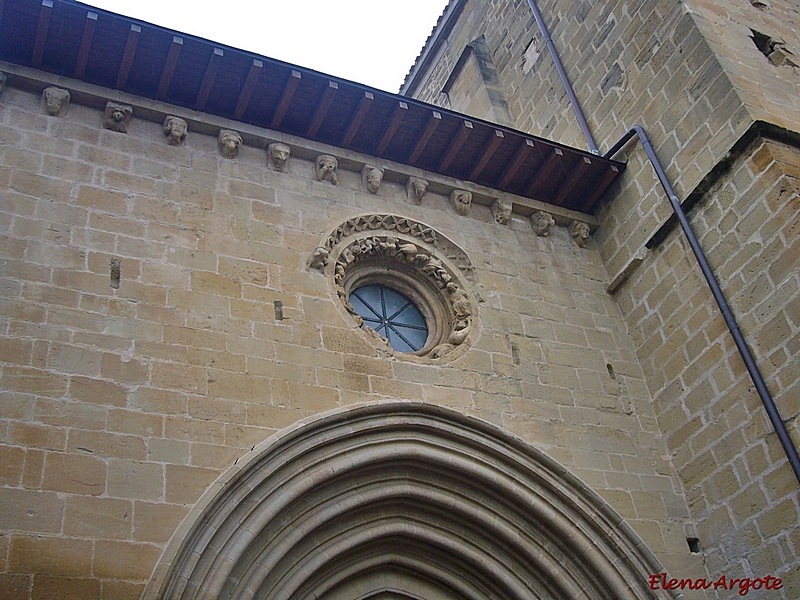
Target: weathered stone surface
229 143
461 201
55 101
326 168
175 129
727 68
117 117
122 406
278 157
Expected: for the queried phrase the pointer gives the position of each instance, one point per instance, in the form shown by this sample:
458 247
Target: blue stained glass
392 315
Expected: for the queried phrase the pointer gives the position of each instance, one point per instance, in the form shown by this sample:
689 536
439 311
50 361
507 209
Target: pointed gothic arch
402 501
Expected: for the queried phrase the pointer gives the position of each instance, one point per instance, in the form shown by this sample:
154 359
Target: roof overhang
79 42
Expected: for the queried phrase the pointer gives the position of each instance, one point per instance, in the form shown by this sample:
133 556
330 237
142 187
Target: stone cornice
155 111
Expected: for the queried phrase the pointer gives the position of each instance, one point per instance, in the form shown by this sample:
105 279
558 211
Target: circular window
392 315
402 281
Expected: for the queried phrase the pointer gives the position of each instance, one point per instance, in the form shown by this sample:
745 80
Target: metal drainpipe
573 100
727 314
716 291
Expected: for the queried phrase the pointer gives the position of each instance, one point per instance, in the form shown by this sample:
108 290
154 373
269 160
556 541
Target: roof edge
437 37
34 81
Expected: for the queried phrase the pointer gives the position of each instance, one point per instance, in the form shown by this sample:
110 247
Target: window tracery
407 257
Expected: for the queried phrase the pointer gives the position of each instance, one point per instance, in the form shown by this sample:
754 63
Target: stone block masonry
122 404
716 86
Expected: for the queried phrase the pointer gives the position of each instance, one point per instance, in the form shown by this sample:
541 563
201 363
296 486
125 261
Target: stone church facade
196 242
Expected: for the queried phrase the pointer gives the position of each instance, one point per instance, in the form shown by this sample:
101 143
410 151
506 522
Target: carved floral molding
404 247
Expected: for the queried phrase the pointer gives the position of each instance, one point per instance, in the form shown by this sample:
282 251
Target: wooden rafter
247 88
41 33
127 56
487 153
286 98
86 44
169 67
357 118
456 143
577 175
208 79
599 187
322 108
546 172
519 157
400 111
433 122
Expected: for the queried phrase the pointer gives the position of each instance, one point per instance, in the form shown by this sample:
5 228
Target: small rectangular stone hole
278 305
116 272
515 356
694 544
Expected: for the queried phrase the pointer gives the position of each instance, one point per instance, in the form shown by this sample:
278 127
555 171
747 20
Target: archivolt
402 501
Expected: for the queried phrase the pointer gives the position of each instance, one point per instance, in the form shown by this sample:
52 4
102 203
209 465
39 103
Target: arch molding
402 500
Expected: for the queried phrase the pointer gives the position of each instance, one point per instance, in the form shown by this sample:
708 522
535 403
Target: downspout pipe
573 100
750 363
719 296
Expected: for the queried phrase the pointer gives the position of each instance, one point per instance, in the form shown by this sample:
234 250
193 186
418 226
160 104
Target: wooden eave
77 41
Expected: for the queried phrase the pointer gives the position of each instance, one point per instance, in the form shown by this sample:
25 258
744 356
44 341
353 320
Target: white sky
373 42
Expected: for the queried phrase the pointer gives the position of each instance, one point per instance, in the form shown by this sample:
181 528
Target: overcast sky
373 42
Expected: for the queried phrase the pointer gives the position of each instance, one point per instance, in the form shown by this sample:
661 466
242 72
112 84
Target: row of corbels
117 117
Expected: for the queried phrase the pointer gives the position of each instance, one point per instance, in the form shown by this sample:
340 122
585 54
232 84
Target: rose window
392 315
402 282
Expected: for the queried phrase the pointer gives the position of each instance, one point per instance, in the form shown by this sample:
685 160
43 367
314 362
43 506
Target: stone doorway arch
402 501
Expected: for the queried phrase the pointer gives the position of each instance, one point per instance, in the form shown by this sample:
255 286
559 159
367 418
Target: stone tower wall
722 115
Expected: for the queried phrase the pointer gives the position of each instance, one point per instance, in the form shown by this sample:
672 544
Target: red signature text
660 581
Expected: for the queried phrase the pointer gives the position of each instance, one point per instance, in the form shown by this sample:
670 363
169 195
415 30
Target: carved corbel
55 101
372 177
461 201
416 188
278 157
229 142
501 211
579 231
326 166
117 117
541 222
175 129
319 258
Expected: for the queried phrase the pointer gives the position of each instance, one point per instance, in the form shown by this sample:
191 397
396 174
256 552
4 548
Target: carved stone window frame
416 261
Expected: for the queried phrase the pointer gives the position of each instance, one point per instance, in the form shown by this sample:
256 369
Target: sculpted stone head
461 200
579 232
117 117
541 222
326 168
175 129
55 101
229 143
373 177
501 211
277 156
416 187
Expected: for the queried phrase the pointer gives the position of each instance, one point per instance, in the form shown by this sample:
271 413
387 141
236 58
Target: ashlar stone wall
121 405
722 114
767 81
738 484
631 63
